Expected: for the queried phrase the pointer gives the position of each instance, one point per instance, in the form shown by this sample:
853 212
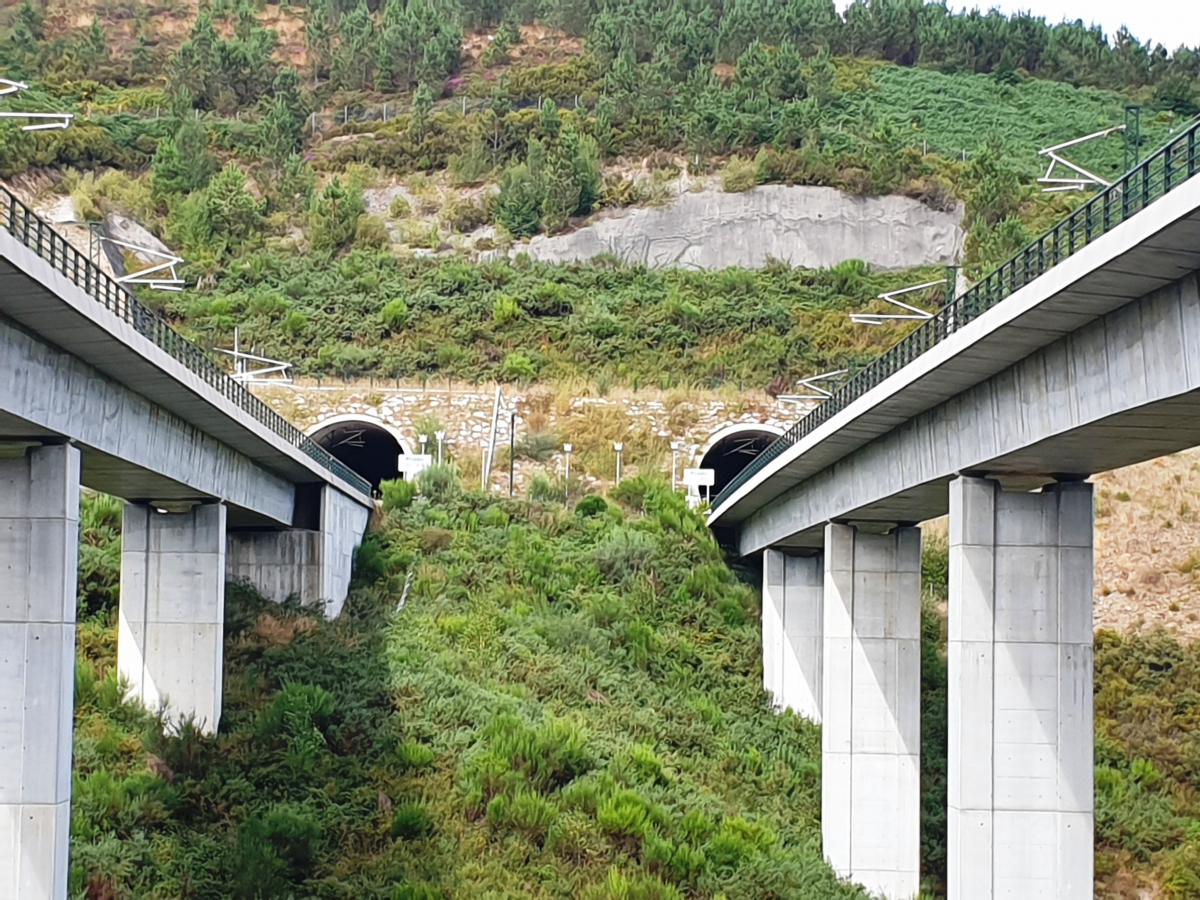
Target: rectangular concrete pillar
871 708
343 523
280 565
1020 694
39 558
772 624
170 644
793 587
312 566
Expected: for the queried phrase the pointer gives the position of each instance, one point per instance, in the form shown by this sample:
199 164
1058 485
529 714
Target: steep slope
521 700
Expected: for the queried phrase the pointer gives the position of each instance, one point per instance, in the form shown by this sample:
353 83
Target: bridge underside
129 447
1122 389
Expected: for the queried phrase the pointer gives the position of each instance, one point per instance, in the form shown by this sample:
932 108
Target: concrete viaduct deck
97 391
995 412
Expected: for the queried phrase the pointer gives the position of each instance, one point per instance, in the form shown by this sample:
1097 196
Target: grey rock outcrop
813 227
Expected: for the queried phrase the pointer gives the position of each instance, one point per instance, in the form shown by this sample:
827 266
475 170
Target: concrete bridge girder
1093 366
85 398
1094 400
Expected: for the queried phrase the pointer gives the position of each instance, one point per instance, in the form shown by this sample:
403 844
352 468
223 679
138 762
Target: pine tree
141 60
318 38
279 132
335 216
352 62
518 206
418 119
182 164
549 122
584 156
94 49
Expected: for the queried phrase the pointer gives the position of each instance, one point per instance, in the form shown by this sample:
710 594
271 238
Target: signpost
694 479
410 465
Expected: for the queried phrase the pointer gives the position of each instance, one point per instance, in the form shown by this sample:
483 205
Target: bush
411 821
591 505
394 314
412 755
397 493
738 175
420 891
370 233
399 208
506 309
471 166
626 552
439 483
369 564
464 215
517 367
544 490
275 852
537 445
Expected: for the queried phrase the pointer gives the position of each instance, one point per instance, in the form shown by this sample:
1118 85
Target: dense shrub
521 321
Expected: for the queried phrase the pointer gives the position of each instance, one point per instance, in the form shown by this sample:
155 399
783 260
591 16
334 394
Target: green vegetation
567 706
375 313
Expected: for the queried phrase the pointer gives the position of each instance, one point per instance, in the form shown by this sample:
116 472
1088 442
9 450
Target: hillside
525 698
327 169
529 700
521 700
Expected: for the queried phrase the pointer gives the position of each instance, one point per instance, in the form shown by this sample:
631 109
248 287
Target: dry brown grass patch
279 631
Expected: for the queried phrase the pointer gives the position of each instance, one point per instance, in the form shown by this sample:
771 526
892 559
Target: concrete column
1020 693
871 708
343 523
772 624
39 558
793 587
280 565
311 565
170 646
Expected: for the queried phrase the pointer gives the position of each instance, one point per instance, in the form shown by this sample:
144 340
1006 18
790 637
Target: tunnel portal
367 447
733 450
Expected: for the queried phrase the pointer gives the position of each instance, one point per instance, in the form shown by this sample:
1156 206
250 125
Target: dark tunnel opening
368 449
731 454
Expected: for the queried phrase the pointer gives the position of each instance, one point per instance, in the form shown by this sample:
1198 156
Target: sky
1167 22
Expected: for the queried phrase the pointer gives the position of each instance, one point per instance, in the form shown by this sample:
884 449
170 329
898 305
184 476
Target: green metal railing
36 234
1172 165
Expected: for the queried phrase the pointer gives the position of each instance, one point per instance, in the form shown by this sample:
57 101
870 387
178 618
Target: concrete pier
311 564
39 557
871 708
170 646
280 565
1020 692
793 587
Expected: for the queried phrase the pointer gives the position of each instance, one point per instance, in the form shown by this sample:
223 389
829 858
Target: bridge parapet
1161 173
40 237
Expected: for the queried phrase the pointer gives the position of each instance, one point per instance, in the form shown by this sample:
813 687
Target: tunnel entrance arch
369 447
733 448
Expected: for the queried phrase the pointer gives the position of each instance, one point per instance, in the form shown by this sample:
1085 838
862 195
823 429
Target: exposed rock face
813 227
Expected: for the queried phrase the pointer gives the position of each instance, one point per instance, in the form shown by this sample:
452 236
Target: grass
568 705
